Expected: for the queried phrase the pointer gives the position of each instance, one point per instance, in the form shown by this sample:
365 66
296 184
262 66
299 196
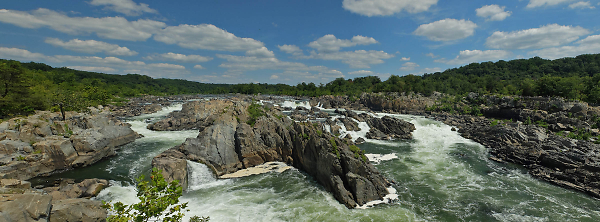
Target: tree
158 200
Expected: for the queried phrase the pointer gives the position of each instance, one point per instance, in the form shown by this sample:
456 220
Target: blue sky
274 41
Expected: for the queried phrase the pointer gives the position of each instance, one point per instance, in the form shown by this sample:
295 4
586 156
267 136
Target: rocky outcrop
196 115
66 202
42 144
567 162
381 128
229 143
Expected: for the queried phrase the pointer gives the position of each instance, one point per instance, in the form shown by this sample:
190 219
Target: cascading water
439 176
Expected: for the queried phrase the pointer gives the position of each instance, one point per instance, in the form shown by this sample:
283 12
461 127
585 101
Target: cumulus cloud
493 12
432 70
111 64
386 7
107 27
433 56
447 30
176 57
470 56
93 69
356 59
91 46
250 63
127 7
198 67
405 59
261 52
589 45
209 37
291 49
582 5
361 72
535 38
540 3
409 66
329 43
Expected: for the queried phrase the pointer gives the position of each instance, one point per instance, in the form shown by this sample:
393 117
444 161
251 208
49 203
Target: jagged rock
38 145
75 210
25 207
227 146
172 169
68 189
395 128
374 133
349 124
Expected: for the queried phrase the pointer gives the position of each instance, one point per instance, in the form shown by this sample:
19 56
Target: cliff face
230 143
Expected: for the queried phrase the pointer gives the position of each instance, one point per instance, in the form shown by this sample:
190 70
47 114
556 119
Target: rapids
439 176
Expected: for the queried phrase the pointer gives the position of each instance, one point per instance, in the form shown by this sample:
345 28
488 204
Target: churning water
439 176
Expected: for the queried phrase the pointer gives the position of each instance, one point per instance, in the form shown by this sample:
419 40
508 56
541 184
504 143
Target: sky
291 41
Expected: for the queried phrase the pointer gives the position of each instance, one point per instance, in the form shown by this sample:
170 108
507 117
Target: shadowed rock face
229 144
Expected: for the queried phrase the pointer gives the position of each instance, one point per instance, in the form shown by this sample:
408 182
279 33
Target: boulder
75 210
25 207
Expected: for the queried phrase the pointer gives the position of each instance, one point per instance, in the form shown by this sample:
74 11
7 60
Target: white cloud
447 30
107 27
361 72
93 69
432 70
539 3
261 52
291 49
274 77
21 54
91 46
127 7
582 5
386 7
405 59
329 43
209 37
179 57
356 59
198 67
107 63
493 12
250 63
535 38
470 56
409 66
589 45
433 56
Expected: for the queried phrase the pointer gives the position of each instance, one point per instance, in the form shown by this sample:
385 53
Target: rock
359 140
69 189
226 146
75 210
376 134
392 127
172 169
25 207
14 183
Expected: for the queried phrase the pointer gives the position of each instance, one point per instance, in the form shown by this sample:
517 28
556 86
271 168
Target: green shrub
335 147
495 122
255 111
158 199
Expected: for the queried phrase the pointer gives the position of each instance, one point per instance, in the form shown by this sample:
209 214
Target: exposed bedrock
230 143
567 162
42 144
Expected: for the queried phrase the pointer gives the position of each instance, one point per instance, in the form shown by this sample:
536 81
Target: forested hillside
28 86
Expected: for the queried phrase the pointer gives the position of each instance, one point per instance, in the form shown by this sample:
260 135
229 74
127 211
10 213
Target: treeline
25 87
28 86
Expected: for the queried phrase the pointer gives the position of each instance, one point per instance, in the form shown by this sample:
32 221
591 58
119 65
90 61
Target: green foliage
158 199
580 134
495 122
255 111
358 154
20 158
335 150
68 132
541 123
319 132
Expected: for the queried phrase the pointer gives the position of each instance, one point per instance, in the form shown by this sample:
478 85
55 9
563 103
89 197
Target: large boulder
25 207
75 210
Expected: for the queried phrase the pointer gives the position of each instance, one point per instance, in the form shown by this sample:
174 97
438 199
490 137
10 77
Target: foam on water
295 104
377 158
201 177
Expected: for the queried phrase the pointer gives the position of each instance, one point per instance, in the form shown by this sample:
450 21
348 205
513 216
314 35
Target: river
440 177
